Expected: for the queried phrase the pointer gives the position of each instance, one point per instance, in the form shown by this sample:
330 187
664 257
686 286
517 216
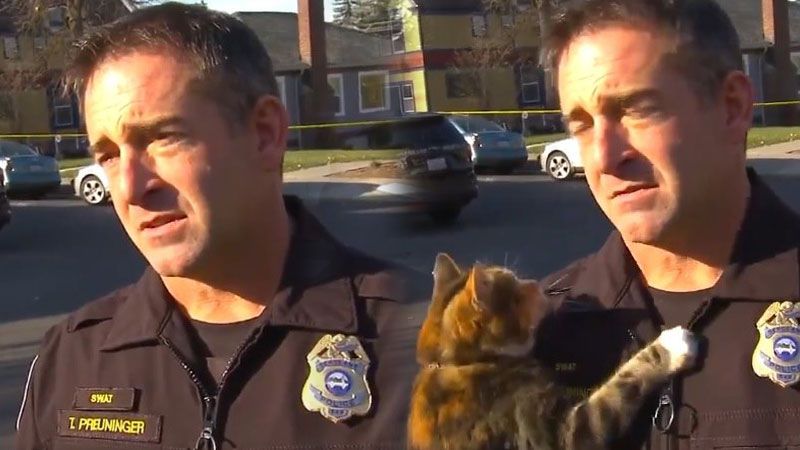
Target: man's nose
610 146
135 177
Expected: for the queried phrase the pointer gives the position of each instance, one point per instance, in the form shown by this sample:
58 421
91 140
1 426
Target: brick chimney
775 15
316 107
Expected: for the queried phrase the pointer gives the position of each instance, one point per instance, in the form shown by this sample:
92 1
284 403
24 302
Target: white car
91 184
561 159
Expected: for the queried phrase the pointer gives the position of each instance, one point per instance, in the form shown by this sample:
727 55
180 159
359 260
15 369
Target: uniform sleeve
27 437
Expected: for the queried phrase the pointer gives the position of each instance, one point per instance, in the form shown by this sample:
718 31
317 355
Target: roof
450 6
745 14
345 47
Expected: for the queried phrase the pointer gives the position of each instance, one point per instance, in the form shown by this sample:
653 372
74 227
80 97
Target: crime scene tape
375 122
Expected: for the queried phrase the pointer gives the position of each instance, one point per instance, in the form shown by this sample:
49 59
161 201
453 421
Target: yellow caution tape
372 122
793 102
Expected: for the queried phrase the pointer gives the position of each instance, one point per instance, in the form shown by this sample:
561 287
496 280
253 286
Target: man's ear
737 101
270 121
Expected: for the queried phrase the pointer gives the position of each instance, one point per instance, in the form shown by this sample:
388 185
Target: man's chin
171 263
640 230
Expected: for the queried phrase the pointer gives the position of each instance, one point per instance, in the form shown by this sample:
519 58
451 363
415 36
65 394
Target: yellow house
31 110
446 51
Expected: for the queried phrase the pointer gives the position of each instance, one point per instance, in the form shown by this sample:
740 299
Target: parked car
493 147
91 184
561 159
440 178
27 172
5 206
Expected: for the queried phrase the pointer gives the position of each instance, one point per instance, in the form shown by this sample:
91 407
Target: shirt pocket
69 443
761 429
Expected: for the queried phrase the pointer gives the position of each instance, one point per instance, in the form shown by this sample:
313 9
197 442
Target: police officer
252 327
655 94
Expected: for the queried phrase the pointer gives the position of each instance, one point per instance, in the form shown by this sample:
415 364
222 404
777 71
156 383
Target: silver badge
337 385
776 354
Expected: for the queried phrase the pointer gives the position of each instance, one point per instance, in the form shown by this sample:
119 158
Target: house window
478 25
63 112
281 81
55 18
398 33
407 95
372 91
6 106
461 84
529 84
337 89
524 4
10 47
39 42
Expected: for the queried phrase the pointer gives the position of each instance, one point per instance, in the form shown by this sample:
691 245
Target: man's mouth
631 189
161 220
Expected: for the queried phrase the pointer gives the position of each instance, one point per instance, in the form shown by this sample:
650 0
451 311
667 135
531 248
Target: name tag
109 425
105 399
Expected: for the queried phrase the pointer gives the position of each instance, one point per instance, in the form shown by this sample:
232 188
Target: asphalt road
58 254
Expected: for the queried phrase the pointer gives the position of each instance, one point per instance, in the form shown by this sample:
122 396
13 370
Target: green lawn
772 135
757 137
544 138
294 159
74 163
301 159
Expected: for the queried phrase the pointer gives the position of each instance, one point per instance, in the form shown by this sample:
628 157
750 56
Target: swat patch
109 425
104 399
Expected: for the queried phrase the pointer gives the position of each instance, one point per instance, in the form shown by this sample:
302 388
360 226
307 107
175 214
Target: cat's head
479 312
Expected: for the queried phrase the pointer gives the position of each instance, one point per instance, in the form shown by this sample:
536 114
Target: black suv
5 207
440 179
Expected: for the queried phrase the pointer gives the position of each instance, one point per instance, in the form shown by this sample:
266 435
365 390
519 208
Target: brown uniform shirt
123 372
608 314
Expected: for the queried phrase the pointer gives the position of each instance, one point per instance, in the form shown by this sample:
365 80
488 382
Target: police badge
337 386
776 354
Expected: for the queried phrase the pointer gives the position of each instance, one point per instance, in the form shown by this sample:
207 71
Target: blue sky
259 5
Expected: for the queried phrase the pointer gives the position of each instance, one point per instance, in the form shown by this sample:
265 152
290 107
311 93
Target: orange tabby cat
479 388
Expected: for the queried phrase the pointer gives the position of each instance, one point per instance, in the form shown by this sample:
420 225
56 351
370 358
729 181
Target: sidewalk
776 160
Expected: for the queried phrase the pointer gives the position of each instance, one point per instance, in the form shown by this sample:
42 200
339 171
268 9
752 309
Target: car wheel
445 215
559 167
92 191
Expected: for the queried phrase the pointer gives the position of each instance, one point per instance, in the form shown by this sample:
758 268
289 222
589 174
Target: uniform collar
317 291
765 265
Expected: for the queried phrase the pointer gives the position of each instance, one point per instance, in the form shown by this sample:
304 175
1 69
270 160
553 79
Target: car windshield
9 149
477 125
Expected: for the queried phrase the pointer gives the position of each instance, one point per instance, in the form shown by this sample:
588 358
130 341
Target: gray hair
707 45
233 68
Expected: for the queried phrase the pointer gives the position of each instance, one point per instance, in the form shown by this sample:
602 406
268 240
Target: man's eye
105 158
578 128
643 111
168 136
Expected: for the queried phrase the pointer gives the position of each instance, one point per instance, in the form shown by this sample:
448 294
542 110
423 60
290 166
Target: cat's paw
681 345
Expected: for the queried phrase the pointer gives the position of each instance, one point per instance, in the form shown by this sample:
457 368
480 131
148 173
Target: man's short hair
233 68
707 44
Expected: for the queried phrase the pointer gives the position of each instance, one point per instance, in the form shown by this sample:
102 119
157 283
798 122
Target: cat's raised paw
682 347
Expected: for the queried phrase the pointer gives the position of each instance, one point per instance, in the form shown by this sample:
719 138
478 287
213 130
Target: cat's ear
445 269
480 285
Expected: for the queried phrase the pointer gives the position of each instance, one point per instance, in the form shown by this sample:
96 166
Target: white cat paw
681 345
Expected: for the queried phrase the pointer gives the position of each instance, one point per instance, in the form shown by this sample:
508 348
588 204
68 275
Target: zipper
664 416
212 410
207 440
209 403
